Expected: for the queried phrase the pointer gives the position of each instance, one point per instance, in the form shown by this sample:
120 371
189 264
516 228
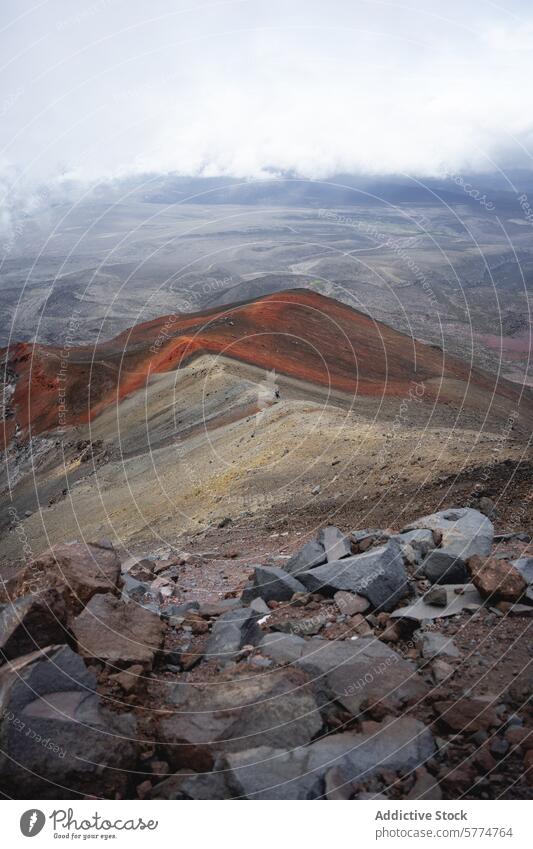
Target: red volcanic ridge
298 333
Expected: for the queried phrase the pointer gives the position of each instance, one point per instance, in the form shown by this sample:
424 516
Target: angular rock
465 531
312 554
525 567
334 543
218 608
353 672
379 575
275 708
269 773
32 622
232 631
425 787
421 539
443 568
272 584
434 644
55 737
351 603
77 570
117 633
467 715
496 579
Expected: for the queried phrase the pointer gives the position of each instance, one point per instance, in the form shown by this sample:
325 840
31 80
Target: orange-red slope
298 333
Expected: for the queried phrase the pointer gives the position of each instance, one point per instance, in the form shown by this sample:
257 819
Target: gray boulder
268 773
56 740
421 539
272 584
379 575
464 531
434 644
351 672
275 708
312 554
443 568
231 632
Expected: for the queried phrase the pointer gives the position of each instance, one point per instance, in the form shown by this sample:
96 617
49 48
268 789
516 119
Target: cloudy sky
97 90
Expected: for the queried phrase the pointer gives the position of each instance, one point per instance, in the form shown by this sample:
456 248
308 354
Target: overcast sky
92 90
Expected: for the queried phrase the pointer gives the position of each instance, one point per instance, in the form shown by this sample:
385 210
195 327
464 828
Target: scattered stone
351 603
441 671
443 568
496 579
499 747
275 708
129 679
272 584
55 737
433 644
32 622
464 531
421 612
437 595
421 539
525 567
77 570
425 787
217 608
231 632
378 574
312 554
299 773
259 606
117 633
351 672
334 543
467 715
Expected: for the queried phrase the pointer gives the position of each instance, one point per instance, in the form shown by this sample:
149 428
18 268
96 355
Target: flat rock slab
56 739
352 672
269 773
118 633
419 611
379 575
276 708
464 531
434 645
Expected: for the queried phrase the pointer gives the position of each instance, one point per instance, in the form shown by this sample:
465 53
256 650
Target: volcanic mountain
300 334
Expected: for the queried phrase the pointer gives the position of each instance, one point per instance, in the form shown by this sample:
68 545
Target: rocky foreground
371 664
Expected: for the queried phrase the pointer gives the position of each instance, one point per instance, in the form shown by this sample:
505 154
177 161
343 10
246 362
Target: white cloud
115 87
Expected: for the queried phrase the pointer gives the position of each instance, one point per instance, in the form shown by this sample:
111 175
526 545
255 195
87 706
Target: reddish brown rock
76 570
467 715
117 633
496 579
